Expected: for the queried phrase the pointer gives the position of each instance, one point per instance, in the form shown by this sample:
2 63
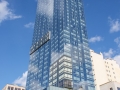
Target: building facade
55 88
13 87
58 88
112 85
60 55
104 70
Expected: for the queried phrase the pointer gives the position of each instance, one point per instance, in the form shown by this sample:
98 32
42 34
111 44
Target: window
55 81
111 88
77 78
68 76
62 76
8 88
54 75
11 88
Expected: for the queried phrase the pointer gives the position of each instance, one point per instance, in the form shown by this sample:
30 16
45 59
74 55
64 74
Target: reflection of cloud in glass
55 56
33 68
45 7
21 80
37 84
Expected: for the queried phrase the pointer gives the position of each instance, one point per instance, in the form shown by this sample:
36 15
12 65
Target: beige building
112 85
13 87
104 70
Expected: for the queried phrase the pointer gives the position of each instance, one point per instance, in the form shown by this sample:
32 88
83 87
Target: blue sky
16 29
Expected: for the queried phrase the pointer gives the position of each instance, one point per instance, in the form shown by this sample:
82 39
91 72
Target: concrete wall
113 70
99 69
104 70
13 86
109 85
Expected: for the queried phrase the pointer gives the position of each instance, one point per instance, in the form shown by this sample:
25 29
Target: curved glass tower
60 55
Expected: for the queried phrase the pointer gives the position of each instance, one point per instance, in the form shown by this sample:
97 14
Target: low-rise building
13 87
104 70
110 86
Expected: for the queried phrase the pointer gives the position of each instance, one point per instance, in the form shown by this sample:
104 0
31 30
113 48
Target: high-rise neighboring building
13 87
104 70
60 54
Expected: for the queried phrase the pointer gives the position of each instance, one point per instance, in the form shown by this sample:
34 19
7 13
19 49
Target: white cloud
6 13
114 25
117 40
21 80
113 55
29 25
95 39
117 58
108 54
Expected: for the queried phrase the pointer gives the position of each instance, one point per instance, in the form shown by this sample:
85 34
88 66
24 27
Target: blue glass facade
59 30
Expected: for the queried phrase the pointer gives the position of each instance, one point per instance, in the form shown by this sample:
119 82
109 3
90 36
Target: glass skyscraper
60 55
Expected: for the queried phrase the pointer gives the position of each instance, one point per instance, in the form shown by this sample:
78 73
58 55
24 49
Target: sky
16 30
